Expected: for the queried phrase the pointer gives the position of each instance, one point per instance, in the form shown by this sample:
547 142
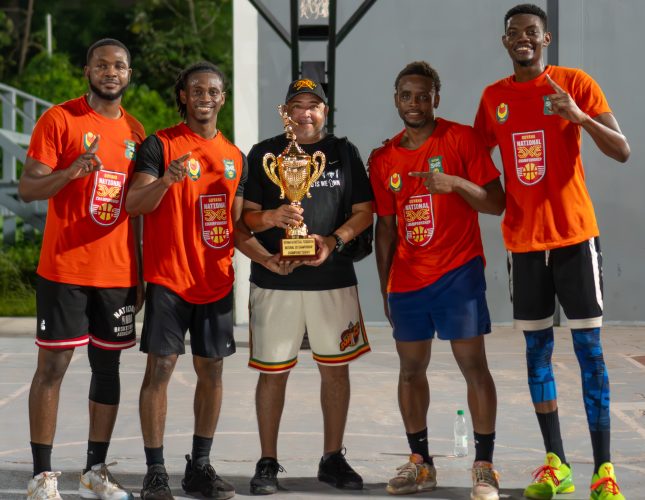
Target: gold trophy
294 171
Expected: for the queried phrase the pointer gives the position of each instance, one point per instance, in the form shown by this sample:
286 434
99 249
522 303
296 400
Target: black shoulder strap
346 162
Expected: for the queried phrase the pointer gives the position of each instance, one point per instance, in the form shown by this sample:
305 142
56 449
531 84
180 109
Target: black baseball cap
305 86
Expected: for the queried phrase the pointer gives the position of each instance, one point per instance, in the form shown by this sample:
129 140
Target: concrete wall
462 40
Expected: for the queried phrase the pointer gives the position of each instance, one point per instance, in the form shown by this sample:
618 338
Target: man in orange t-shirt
80 158
535 117
188 184
430 181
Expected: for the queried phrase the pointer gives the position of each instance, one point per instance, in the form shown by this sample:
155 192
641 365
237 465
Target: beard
525 63
112 96
415 124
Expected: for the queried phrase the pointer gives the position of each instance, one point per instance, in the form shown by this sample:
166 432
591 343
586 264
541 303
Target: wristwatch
340 244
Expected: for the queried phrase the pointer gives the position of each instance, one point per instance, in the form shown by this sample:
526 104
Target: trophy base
297 249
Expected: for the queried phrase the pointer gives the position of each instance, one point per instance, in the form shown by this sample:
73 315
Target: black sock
154 456
201 450
550 427
418 442
42 457
96 453
600 445
484 446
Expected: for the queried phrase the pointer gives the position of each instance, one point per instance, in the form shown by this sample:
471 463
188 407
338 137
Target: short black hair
182 78
526 8
102 43
420 68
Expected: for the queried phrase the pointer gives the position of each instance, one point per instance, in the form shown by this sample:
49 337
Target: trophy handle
270 164
318 160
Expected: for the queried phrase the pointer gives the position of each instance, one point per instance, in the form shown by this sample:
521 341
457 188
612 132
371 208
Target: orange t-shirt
547 203
188 239
436 232
88 237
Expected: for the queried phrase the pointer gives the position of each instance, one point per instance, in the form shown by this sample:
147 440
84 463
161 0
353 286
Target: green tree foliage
172 34
6 28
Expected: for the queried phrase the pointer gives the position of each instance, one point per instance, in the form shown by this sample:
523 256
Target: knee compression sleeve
539 348
105 387
595 381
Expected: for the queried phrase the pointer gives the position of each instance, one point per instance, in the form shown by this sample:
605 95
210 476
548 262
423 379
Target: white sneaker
44 486
485 482
99 483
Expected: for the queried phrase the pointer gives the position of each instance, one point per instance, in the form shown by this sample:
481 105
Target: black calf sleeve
105 387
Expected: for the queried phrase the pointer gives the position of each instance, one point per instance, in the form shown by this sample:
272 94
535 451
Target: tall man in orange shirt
80 158
430 181
535 116
189 182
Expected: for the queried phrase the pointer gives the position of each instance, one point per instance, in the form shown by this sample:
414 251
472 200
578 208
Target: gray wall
462 40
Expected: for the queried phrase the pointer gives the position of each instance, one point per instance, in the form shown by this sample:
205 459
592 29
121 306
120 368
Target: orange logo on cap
300 84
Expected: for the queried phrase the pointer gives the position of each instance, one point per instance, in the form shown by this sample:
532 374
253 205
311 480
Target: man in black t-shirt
319 295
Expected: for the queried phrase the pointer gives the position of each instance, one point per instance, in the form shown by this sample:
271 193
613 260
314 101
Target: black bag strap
346 162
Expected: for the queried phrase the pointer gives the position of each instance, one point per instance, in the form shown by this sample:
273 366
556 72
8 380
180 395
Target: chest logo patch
88 139
107 197
395 182
501 113
419 220
530 156
215 231
130 150
229 169
194 169
435 165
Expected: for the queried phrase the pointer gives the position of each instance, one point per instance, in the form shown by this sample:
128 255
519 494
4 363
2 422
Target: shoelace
486 475
408 470
266 471
107 476
609 483
209 472
158 481
49 483
544 472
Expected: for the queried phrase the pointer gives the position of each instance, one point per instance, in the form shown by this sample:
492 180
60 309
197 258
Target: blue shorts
454 306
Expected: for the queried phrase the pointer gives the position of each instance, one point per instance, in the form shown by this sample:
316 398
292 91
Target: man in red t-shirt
535 116
430 181
189 183
80 158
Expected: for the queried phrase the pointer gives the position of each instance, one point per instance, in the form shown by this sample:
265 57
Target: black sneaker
203 479
155 484
265 480
337 472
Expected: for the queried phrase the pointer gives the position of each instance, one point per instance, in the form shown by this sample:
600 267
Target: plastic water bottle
461 435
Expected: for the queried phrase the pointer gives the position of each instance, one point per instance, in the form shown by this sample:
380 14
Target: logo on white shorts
349 337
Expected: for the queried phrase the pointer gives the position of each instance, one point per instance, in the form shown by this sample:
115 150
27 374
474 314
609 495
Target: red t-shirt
88 237
188 239
547 202
436 233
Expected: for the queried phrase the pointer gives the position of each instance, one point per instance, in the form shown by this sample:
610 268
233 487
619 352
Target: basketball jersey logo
214 210
419 220
530 156
107 197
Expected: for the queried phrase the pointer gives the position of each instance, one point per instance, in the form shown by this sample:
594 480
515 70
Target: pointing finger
555 86
425 175
95 145
182 159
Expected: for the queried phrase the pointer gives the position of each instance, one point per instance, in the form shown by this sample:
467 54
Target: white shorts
278 319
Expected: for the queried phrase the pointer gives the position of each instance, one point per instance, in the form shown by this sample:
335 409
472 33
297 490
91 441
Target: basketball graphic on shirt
107 197
530 157
215 220
419 220
105 212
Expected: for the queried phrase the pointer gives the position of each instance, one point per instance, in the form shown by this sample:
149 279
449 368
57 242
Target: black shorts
168 316
70 316
572 273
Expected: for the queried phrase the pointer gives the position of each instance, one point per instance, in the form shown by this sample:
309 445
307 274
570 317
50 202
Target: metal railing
20 111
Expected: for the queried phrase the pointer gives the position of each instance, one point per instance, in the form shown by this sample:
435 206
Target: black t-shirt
150 160
324 212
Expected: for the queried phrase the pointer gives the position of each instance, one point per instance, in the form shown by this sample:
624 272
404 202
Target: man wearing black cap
319 295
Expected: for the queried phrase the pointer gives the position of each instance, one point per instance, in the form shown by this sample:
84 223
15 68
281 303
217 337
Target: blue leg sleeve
595 381
539 348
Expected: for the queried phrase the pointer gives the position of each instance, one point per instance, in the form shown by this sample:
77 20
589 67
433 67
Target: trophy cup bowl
294 172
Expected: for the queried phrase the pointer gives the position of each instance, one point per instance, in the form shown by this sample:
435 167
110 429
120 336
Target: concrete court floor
375 438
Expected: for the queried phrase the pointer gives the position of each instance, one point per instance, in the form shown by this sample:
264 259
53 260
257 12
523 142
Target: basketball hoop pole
324 33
